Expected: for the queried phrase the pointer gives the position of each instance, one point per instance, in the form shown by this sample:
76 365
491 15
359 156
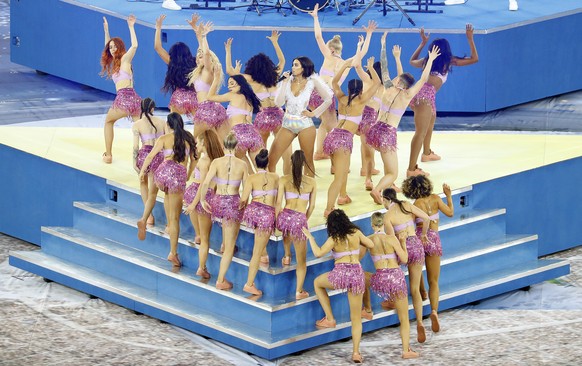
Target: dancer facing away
227 172
419 188
423 104
382 135
388 280
210 148
295 92
180 64
147 129
242 103
299 191
180 156
339 141
260 214
116 64
399 220
209 114
332 61
344 240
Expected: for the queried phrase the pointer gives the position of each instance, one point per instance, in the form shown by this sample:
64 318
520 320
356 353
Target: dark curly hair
262 69
417 187
390 195
247 91
339 225
181 64
181 137
443 63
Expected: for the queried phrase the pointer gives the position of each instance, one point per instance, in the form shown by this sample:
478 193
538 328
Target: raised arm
196 28
414 60
370 91
396 51
325 51
106 31
158 40
386 81
372 25
212 96
357 61
474 58
274 38
337 90
205 29
228 56
128 56
432 54
447 209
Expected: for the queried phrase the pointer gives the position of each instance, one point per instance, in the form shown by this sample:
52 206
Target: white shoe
171 5
455 2
513 5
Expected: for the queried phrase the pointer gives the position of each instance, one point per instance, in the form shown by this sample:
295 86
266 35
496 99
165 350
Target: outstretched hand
383 39
160 21
424 36
131 20
372 25
469 31
228 44
434 52
105 24
396 51
315 10
274 37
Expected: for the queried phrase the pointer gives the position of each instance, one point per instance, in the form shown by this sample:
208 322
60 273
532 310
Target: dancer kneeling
344 240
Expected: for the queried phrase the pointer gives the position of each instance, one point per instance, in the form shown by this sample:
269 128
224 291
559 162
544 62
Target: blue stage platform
524 56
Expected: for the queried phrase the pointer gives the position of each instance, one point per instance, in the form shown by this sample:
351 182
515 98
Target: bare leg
367 153
196 224
355 301
229 233
205 222
199 129
428 137
341 161
301 258
321 285
150 201
243 156
306 141
112 116
414 274
402 311
433 270
282 141
261 240
223 130
174 208
366 297
422 118
287 247
328 122
390 160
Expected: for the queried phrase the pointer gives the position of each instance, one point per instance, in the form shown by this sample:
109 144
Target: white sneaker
171 5
513 5
455 2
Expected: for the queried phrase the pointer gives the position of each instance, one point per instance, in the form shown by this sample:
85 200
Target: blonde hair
377 219
336 44
195 74
230 141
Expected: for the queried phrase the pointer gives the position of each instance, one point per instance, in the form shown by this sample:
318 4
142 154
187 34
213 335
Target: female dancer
400 221
242 103
388 281
344 240
419 188
260 214
227 172
116 64
299 191
147 129
295 92
382 135
209 114
332 61
180 64
370 115
423 104
210 148
179 149
339 141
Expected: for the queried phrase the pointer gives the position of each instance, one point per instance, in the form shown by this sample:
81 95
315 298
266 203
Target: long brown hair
212 143
111 64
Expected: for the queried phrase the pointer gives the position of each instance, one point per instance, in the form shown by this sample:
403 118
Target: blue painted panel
40 192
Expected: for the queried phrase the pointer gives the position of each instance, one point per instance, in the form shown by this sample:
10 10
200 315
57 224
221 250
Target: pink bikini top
265 95
330 73
432 217
400 227
232 111
376 258
149 136
197 174
293 195
395 111
120 75
234 182
201 86
443 77
355 119
168 152
338 255
259 193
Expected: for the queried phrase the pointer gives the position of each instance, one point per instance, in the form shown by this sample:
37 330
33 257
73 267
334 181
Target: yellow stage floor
467 158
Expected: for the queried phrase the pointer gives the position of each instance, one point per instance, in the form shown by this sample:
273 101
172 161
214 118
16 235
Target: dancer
295 92
388 280
299 191
419 188
147 129
332 61
180 156
344 240
242 103
116 65
399 220
227 172
338 143
382 135
260 214
209 114
423 104
262 74
180 64
370 115
209 148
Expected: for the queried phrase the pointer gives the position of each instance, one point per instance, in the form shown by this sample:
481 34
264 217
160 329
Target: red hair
110 64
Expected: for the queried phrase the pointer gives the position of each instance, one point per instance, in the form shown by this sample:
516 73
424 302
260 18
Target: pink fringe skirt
269 119
290 222
348 277
170 177
369 118
415 250
248 138
128 101
389 283
143 153
427 94
211 114
315 100
433 247
338 139
184 100
260 217
191 192
224 207
382 137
